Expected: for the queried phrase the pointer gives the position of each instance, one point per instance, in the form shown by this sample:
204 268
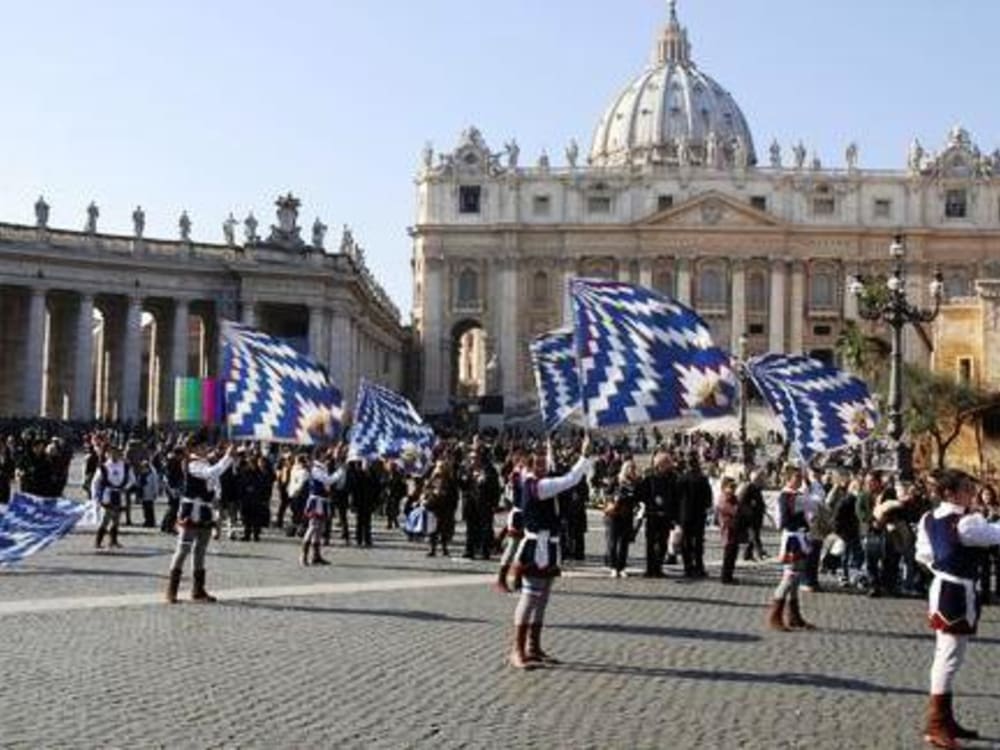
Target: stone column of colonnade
132 360
319 336
339 351
34 353
82 401
180 334
58 354
684 281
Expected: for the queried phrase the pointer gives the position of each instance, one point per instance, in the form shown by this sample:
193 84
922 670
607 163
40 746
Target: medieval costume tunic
195 519
319 509
111 481
950 542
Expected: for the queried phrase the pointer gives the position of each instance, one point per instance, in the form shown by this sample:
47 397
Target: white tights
948 656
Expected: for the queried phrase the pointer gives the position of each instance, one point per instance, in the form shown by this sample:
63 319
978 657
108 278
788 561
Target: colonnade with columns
92 354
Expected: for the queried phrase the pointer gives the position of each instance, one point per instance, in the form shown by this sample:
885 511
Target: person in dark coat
695 494
658 493
728 509
621 517
364 486
481 493
395 491
8 467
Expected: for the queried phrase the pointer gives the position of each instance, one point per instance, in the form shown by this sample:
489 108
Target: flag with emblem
822 408
386 425
556 376
273 392
644 357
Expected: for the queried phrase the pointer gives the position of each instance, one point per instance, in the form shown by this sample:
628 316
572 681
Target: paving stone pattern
648 663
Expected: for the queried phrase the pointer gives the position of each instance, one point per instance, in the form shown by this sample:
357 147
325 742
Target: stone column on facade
433 400
34 354
179 348
248 313
132 361
739 304
508 333
624 271
317 333
796 328
646 273
777 312
568 274
339 359
83 366
684 281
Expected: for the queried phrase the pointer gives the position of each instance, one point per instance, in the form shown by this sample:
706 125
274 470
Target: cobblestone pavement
388 648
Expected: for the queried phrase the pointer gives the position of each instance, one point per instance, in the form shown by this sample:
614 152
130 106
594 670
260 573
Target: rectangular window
955 204
469 198
822 330
759 202
664 202
883 208
824 206
965 370
756 329
541 205
598 204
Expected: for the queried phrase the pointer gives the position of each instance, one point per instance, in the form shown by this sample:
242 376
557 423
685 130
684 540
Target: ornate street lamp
897 311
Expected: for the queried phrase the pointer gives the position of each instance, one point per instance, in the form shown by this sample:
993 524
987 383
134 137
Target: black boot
317 559
198 592
99 540
114 538
172 586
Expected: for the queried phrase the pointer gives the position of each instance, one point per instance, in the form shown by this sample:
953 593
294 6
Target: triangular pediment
711 209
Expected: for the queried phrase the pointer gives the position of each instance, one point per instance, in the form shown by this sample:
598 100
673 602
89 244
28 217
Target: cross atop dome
673 46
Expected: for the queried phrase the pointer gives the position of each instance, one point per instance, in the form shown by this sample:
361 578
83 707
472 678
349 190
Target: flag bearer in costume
195 518
950 541
537 555
793 522
319 509
514 530
111 481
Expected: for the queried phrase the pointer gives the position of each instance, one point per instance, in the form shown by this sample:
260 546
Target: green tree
938 406
862 354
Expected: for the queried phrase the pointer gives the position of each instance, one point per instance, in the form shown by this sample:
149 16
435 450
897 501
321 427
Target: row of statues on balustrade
184 225
717 154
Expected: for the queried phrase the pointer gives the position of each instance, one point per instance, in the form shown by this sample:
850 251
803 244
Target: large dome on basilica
673 113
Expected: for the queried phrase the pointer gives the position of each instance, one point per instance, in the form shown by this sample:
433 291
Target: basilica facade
94 325
675 196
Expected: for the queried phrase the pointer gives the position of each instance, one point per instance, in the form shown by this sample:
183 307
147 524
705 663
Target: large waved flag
644 357
386 425
822 408
274 393
32 523
556 376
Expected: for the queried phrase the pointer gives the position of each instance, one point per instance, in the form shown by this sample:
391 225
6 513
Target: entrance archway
470 361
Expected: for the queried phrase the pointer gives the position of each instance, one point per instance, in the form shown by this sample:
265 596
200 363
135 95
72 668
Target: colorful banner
33 523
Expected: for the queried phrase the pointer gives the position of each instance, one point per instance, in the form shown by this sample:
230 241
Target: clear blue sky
217 106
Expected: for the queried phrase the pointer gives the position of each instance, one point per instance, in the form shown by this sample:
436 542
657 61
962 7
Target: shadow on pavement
794 679
657 630
407 614
113 573
663 598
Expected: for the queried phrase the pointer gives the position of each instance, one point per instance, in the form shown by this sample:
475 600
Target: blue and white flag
556 376
386 425
274 393
33 523
645 357
822 408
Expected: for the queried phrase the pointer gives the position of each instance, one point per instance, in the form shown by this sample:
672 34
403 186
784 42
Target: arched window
822 289
663 282
468 288
757 292
540 289
711 287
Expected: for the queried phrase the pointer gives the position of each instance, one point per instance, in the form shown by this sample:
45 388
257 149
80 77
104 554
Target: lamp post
743 375
897 311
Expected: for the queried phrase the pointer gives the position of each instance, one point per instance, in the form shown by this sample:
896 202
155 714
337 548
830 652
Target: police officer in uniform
195 520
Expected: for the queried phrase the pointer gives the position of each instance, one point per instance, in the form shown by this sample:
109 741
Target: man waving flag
273 392
644 357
